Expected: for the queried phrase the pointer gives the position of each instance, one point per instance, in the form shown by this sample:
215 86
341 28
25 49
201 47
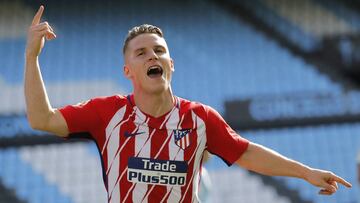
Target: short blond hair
141 29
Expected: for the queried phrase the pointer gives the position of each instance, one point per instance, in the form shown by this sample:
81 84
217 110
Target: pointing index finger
342 181
38 15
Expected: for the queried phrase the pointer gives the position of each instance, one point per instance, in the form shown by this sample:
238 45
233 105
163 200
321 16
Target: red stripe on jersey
171 137
112 125
138 150
155 146
123 119
112 134
186 193
166 197
131 190
125 147
159 150
130 129
126 152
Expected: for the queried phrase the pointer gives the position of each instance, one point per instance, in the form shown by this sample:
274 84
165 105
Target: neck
154 104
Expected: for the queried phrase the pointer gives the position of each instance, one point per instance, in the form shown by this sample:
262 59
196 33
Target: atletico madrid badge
182 138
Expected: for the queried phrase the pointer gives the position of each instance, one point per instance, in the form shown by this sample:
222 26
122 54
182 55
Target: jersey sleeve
222 140
81 118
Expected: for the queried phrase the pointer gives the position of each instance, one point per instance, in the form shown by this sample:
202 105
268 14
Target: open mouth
155 71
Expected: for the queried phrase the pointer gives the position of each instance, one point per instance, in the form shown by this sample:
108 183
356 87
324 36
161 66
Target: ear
172 65
127 73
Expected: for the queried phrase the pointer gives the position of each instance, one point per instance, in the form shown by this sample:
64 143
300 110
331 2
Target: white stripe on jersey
118 179
174 116
127 139
117 182
177 154
118 116
146 145
197 154
113 174
112 152
140 140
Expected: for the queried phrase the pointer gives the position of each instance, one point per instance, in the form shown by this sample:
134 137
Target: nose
153 56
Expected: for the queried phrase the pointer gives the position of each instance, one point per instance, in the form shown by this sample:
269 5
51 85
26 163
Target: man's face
148 64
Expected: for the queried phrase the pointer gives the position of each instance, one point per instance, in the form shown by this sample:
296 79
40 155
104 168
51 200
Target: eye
140 53
159 50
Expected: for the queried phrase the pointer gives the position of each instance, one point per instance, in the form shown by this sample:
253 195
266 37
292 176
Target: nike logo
128 134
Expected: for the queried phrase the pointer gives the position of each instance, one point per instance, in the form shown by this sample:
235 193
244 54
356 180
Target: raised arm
268 162
40 114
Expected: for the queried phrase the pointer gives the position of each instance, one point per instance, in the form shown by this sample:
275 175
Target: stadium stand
7 195
74 168
334 147
343 11
238 182
304 23
323 33
281 24
21 177
54 173
317 21
272 70
218 57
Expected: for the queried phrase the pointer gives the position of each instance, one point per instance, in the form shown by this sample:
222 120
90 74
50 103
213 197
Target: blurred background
283 73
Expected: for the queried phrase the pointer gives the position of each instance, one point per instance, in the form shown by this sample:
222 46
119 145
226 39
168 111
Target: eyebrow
139 49
155 47
159 46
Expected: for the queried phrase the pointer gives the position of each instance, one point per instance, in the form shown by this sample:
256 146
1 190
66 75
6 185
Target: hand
37 34
326 180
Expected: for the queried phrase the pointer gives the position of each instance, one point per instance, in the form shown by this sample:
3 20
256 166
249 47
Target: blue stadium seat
28 184
332 147
344 12
297 36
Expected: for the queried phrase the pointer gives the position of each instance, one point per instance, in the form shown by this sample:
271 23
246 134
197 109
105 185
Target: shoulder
108 100
200 109
108 103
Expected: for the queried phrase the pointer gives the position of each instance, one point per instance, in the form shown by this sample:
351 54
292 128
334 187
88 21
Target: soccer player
151 141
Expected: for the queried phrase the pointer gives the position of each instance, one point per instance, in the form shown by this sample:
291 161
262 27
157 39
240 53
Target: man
152 142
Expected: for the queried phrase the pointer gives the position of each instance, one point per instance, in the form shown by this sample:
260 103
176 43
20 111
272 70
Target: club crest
182 137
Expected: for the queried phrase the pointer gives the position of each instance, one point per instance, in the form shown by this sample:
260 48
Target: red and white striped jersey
148 159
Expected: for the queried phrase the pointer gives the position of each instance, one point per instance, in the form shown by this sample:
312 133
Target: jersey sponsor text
155 171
